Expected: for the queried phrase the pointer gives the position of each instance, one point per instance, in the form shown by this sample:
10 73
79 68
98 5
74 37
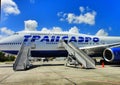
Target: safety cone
103 65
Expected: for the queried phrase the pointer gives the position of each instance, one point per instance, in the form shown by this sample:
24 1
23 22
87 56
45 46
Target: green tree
6 58
2 56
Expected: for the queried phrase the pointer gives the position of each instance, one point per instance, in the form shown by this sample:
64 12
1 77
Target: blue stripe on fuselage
46 53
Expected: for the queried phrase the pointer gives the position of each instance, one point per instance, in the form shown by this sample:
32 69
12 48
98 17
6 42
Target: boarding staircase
80 56
22 60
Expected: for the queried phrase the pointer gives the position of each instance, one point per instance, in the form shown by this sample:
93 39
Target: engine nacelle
112 54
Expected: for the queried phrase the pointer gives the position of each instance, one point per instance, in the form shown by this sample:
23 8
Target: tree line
4 57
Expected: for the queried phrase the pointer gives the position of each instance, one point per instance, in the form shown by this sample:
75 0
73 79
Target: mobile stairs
78 55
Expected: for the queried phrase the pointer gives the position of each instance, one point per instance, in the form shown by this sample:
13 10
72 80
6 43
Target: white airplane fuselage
47 44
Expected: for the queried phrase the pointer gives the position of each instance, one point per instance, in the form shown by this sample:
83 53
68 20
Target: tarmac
55 73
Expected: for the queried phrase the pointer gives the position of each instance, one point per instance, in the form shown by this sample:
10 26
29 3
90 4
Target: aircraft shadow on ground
6 66
36 66
115 65
71 66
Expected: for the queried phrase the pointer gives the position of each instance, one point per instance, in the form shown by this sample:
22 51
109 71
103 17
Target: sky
101 17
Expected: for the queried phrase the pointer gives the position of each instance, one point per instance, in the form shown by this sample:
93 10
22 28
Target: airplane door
33 45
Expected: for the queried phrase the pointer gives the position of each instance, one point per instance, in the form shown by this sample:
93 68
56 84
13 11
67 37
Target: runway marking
63 77
101 81
69 78
6 77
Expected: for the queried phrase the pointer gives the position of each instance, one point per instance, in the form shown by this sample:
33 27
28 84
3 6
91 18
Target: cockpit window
16 33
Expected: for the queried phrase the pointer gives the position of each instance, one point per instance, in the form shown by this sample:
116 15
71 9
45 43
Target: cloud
54 29
9 7
82 9
74 30
86 18
59 29
101 32
44 29
30 25
62 15
5 32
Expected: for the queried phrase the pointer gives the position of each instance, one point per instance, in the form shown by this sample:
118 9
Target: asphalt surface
55 73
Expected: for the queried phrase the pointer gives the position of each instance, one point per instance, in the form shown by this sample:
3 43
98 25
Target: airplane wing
101 46
98 50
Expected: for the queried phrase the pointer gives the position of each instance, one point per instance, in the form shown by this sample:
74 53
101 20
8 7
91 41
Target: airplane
46 44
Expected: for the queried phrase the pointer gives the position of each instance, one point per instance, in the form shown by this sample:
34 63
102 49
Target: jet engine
112 54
